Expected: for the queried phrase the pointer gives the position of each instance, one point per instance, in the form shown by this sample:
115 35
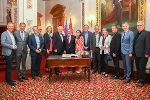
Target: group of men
57 44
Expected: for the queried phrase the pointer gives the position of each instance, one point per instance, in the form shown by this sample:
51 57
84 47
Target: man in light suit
8 50
95 50
36 45
126 50
141 51
69 45
21 37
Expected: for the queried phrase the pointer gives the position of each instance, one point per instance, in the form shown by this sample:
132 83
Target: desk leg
50 74
85 71
88 74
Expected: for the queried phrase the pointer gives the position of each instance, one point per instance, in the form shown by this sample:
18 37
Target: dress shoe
24 78
140 85
137 81
126 81
21 80
33 77
59 71
122 78
106 75
114 77
39 75
11 83
94 72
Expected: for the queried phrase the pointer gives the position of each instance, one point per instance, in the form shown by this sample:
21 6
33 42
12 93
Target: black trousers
116 63
57 68
141 68
9 60
96 59
35 64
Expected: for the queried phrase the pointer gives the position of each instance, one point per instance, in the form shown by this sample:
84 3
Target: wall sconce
91 20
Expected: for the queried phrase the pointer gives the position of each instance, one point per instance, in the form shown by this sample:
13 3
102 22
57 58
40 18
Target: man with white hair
141 51
58 47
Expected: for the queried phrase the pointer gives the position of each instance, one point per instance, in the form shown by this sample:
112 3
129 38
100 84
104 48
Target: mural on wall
29 4
118 12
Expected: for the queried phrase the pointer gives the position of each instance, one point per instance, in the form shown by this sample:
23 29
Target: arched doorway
57 13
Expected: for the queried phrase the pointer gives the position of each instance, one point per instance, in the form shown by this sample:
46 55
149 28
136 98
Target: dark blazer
93 41
141 46
57 43
47 41
69 47
115 45
88 40
20 42
32 44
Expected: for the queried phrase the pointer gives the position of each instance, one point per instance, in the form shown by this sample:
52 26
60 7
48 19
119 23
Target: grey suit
21 52
96 52
8 52
7 44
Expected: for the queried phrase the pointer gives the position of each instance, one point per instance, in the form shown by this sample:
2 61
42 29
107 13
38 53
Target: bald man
141 51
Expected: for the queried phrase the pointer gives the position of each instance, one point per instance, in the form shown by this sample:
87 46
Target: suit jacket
69 47
127 42
47 41
33 45
106 44
21 44
93 41
6 43
141 46
115 45
58 43
88 40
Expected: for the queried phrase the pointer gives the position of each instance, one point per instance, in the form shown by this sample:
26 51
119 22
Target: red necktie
51 44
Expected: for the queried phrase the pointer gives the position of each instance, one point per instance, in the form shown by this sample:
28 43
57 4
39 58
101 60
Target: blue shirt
86 38
22 35
37 41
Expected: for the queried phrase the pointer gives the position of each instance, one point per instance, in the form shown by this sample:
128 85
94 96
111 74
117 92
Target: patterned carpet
74 86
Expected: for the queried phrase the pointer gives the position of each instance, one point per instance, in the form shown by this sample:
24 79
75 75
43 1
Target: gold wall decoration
141 10
98 12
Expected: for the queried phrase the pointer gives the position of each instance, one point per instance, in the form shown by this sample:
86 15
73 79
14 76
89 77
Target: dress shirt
97 40
37 41
61 35
86 38
22 35
12 38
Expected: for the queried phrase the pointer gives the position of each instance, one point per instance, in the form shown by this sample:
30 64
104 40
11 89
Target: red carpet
71 86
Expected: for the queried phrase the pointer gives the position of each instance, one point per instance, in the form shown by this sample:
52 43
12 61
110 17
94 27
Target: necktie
123 35
68 39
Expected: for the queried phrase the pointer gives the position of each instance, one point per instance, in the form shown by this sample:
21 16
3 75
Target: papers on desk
69 55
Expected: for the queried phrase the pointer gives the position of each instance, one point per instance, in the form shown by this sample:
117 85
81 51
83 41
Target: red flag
70 25
63 25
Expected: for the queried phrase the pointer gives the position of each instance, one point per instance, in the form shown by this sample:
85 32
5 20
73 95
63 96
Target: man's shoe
94 72
114 77
24 78
140 85
11 83
33 77
126 81
122 78
21 80
39 75
46 70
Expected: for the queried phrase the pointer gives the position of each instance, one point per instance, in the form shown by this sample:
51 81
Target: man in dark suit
36 45
8 50
95 50
117 5
58 46
21 37
69 45
115 47
48 44
141 51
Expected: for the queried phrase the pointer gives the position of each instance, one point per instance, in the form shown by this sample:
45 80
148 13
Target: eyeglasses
139 25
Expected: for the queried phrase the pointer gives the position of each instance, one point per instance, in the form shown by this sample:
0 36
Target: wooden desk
57 61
